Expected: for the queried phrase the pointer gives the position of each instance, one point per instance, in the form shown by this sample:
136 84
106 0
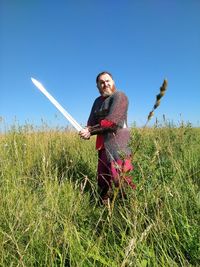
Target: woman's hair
101 73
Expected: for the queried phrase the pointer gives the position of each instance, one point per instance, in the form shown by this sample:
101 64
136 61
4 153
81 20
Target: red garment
104 177
100 140
114 172
106 123
120 169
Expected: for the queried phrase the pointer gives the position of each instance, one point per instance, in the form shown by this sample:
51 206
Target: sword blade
74 123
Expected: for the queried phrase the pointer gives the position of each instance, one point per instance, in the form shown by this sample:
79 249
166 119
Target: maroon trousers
113 172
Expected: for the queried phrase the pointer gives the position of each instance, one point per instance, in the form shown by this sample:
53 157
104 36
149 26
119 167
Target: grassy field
49 210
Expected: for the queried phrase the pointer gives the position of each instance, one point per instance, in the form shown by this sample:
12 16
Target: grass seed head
162 93
158 97
163 88
150 115
156 104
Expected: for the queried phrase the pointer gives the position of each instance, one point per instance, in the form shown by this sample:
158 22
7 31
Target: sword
73 122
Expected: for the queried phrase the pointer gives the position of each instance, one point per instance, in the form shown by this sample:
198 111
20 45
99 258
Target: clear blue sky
65 44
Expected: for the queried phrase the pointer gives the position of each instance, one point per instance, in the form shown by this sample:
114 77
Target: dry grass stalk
163 89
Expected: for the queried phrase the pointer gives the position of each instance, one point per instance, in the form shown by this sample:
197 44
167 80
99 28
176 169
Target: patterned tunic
113 109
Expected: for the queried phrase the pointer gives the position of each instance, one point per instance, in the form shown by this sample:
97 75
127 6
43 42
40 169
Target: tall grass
49 209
